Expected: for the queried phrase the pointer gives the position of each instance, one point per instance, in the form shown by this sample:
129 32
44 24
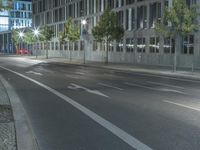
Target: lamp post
83 23
21 35
36 34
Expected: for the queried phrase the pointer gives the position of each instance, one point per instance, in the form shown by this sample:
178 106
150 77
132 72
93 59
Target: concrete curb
25 136
139 70
166 73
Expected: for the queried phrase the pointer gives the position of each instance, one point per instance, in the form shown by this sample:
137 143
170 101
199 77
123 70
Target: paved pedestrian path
7 127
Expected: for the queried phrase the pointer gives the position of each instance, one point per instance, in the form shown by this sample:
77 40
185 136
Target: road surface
75 107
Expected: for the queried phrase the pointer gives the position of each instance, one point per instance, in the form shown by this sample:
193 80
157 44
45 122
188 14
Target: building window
120 18
169 45
110 47
71 46
142 17
94 46
128 2
120 46
129 45
188 45
154 45
76 46
66 45
102 46
52 45
141 45
82 45
154 13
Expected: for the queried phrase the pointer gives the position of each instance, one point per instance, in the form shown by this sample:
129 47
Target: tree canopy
46 34
71 31
178 19
5 4
107 29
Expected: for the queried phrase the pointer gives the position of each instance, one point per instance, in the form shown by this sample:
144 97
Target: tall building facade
19 16
140 45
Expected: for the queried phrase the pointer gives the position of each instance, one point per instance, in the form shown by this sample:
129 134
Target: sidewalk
154 70
7 127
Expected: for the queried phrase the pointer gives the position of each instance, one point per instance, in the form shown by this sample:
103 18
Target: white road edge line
110 86
181 105
163 84
126 137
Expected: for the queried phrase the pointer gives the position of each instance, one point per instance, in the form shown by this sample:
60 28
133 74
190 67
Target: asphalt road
74 107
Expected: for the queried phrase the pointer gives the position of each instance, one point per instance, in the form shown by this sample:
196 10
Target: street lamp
21 35
83 32
36 34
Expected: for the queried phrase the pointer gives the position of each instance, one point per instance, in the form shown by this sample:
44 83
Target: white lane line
110 86
35 73
182 105
126 137
171 90
76 86
72 76
138 85
81 73
167 85
155 89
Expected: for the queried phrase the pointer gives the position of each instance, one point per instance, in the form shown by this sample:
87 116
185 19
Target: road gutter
25 137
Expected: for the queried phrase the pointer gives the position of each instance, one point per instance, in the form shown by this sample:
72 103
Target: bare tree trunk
47 51
107 44
178 48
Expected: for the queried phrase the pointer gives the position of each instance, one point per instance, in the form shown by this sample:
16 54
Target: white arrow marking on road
33 72
75 86
110 86
120 133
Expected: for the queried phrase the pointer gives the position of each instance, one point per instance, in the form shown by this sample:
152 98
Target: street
75 107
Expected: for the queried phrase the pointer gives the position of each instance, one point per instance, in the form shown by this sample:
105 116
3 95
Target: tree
46 36
29 36
16 39
5 5
71 33
178 21
107 29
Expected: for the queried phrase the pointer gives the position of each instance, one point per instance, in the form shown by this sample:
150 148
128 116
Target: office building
19 16
140 45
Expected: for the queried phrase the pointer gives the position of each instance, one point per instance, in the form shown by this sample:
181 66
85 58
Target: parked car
23 52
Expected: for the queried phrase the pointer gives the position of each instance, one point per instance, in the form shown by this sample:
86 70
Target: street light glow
21 34
83 22
36 32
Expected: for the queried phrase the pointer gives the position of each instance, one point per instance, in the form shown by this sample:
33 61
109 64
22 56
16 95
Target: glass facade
19 16
137 17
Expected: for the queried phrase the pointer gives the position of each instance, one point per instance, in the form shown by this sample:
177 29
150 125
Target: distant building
20 16
140 45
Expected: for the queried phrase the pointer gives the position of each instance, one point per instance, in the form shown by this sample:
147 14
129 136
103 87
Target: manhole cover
5 114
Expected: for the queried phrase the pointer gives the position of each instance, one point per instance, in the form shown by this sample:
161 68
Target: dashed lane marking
110 86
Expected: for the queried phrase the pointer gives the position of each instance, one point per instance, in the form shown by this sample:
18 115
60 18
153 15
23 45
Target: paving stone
4 100
7 136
